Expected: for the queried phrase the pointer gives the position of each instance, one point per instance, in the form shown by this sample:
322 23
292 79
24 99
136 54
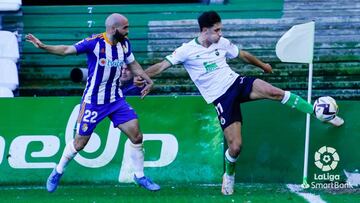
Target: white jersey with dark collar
207 67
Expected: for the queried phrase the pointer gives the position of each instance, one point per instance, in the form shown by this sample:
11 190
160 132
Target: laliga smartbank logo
327 159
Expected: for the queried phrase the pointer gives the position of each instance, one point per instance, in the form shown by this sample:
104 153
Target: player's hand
146 89
267 68
139 81
35 41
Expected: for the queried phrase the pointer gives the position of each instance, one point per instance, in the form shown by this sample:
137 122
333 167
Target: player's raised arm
157 68
54 49
249 58
152 71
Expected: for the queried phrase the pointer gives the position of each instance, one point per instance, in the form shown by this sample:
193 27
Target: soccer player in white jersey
107 53
204 58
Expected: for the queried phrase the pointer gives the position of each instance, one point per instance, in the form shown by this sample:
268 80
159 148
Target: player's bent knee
79 144
235 149
137 138
275 93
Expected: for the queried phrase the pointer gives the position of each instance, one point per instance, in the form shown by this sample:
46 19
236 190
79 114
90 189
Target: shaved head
115 20
117 27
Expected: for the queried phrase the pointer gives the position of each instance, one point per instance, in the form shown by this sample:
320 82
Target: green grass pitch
244 193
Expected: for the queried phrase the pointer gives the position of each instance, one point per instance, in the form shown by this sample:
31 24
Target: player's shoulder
224 41
189 45
94 37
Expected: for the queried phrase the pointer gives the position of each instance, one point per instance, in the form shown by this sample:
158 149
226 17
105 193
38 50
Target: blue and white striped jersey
105 61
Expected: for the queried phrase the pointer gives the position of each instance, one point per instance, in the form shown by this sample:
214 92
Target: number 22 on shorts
90 116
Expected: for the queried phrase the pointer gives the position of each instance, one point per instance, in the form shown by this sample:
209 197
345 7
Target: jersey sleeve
128 55
178 56
232 51
84 46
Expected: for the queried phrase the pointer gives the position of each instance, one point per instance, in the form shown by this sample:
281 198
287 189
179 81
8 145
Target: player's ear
113 29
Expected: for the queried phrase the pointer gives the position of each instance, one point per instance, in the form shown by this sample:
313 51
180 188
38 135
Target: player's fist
146 89
267 68
139 81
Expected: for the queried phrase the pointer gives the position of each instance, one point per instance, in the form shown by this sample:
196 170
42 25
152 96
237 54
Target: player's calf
296 102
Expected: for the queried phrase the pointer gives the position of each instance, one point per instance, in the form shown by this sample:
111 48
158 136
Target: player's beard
118 36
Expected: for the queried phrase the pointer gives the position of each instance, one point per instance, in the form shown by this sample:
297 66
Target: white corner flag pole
307 132
297 46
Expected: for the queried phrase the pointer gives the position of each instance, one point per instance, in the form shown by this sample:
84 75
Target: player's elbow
68 50
63 53
244 55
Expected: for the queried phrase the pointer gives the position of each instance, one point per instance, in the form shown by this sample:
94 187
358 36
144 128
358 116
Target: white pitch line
22 188
307 196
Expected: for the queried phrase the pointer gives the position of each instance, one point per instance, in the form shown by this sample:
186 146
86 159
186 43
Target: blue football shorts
228 105
90 115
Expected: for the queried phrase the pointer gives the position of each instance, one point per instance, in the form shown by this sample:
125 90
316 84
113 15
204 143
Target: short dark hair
208 19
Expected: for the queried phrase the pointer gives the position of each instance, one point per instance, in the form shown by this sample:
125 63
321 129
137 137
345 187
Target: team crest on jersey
84 127
102 62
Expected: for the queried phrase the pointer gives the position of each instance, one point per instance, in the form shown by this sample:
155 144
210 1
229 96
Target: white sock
137 159
68 154
286 97
229 157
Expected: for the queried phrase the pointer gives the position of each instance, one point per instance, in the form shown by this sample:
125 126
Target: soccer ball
325 108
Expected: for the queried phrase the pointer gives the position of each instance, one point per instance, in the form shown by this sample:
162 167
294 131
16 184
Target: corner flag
297 46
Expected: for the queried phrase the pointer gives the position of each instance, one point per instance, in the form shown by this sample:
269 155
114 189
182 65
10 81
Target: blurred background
35 125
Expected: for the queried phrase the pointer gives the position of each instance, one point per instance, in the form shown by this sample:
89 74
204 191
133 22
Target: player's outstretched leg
264 90
227 187
295 101
54 177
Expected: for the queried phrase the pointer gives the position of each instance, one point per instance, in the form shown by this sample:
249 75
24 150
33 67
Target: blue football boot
146 183
53 180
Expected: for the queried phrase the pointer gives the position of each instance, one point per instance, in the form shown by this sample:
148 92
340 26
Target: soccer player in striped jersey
106 54
204 58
